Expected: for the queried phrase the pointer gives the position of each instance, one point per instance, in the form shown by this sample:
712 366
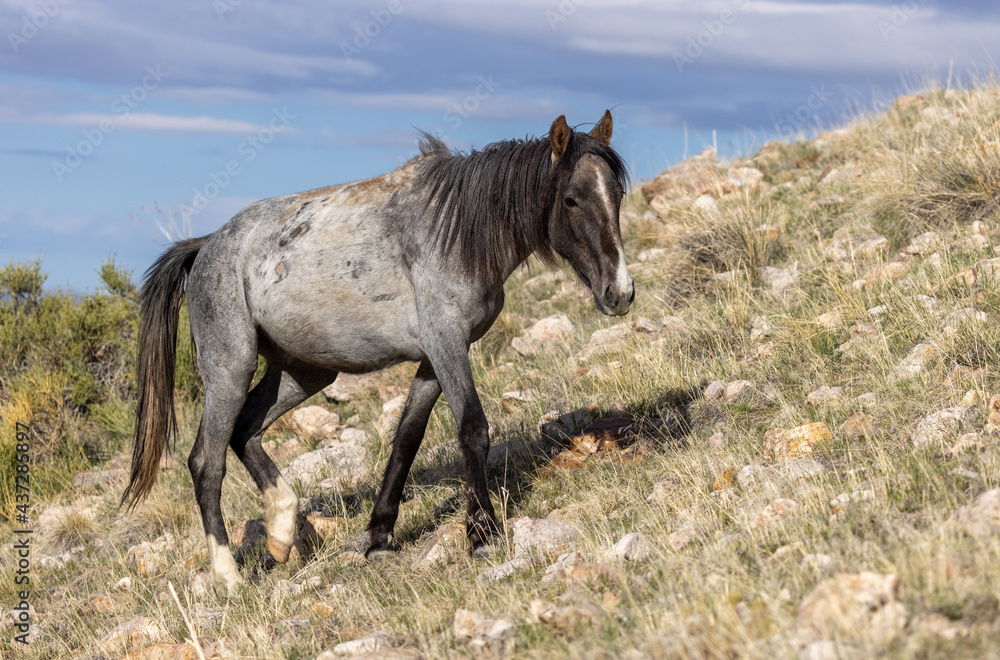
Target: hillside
787 449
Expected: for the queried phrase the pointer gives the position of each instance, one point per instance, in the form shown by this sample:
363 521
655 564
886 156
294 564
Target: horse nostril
632 297
609 295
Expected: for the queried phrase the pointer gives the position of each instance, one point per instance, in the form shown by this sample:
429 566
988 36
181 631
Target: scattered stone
913 363
943 426
745 177
315 423
346 387
925 243
779 279
739 391
370 643
696 176
123 584
133 632
486 638
513 401
724 480
825 396
804 468
980 518
633 547
392 412
994 411
148 557
352 435
682 537
873 247
101 604
525 346
533 536
716 390
784 444
652 254
449 542
775 512
567 617
940 626
753 476
557 326
956 319
505 570
866 607
866 399
717 442
345 463
831 320
708 206
859 425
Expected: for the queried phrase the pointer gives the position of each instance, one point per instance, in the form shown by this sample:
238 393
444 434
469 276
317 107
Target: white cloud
149 121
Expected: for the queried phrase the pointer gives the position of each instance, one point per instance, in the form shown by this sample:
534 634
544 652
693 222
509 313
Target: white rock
913 363
956 319
370 643
392 411
345 462
779 279
315 422
715 390
825 396
745 177
981 517
513 401
682 537
739 391
633 547
505 570
533 536
487 638
707 205
557 326
345 387
943 425
867 607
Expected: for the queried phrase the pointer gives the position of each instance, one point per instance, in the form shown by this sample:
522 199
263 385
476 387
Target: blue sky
114 114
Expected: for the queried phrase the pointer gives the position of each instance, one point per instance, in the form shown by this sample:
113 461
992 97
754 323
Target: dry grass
729 594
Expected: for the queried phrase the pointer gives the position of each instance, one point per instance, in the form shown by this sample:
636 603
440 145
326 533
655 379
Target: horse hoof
279 551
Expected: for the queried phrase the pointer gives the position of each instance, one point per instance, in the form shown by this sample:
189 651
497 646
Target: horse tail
155 421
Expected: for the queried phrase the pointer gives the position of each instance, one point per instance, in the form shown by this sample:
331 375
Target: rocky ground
788 449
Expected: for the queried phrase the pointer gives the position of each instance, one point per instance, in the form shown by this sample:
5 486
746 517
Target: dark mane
489 202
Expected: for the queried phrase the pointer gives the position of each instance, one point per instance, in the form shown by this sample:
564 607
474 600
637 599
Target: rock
172 651
873 247
784 444
486 638
526 346
682 537
859 424
133 632
830 320
739 391
505 570
717 442
925 243
974 398
513 401
825 396
148 557
943 426
913 363
745 177
724 480
980 518
708 206
779 279
633 547
346 387
392 411
448 542
994 410
325 527
776 511
956 319
565 618
375 641
532 536
716 390
940 626
867 607
693 177
651 254
557 326
804 468
315 423
867 399
347 463
752 476
352 435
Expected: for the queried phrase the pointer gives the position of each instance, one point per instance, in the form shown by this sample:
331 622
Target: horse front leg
424 392
451 363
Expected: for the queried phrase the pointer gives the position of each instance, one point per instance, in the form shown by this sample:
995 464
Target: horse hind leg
225 394
279 391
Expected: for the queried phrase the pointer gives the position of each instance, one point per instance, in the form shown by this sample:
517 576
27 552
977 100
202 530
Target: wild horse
355 277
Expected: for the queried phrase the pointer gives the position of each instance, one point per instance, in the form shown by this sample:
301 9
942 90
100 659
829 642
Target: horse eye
570 202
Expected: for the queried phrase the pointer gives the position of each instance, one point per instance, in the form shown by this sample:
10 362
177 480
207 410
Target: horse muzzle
615 300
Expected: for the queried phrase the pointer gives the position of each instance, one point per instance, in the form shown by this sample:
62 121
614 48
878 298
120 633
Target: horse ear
559 136
603 129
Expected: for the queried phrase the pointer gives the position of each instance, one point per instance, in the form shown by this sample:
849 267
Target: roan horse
352 278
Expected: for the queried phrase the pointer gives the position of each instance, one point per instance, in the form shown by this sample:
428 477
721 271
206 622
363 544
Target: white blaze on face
622 278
